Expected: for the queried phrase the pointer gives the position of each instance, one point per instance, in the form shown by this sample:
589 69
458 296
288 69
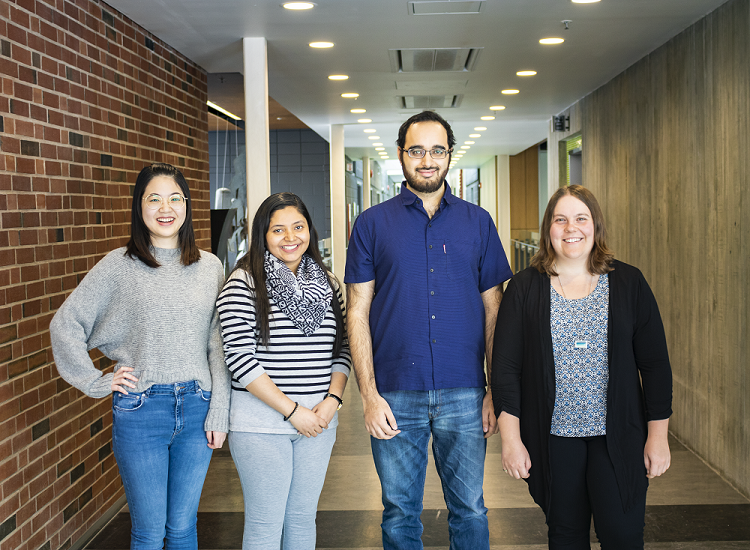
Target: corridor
691 507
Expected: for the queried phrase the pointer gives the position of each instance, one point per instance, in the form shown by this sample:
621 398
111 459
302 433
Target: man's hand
379 419
489 422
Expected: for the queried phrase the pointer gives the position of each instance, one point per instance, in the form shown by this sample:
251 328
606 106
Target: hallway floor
691 507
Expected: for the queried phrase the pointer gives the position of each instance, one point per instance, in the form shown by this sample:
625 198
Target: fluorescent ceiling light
465 147
487 118
298 5
364 120
497 107
584 1
350 95
480 128
526 73
370 130
475 135
378 144
321 44
380 148
358 111
338 77
507 92
221 110
373 137
552 40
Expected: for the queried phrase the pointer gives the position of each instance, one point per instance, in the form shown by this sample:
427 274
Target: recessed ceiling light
378 144
465 147
509 92
552 40
373 137
338 77
350 95
358 111
380 148
321 44
480 128
584 1
475 135
370 130
469 142
298 5
527 73
497 107
385 158
364 120
487 118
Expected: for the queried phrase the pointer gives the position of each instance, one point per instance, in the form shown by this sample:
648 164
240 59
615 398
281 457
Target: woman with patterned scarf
283 323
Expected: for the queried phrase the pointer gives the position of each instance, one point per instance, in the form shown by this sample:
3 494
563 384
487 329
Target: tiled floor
689 508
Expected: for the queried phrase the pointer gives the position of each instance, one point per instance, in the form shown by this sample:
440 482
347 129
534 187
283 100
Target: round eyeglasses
419 153
154 201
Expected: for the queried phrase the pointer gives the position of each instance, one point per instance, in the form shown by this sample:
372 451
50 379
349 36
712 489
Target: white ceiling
603 39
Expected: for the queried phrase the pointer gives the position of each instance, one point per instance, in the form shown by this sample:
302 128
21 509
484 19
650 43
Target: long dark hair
254 263
139 245
600 258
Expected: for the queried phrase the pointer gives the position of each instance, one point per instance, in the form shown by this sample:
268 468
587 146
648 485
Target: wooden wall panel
666 146
524 191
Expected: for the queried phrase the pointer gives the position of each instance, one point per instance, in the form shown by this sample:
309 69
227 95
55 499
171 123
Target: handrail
522 253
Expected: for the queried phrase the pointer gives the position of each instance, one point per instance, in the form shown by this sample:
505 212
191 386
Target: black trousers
583 482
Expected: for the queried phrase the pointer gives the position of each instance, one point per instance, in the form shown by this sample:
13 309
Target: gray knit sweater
160 321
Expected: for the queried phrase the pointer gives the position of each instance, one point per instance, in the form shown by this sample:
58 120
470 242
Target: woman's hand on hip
216 439
122 378
326 409
307 422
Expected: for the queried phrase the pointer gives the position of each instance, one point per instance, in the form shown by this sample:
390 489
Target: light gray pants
282 476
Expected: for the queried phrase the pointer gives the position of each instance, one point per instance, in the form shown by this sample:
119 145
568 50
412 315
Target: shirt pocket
462 256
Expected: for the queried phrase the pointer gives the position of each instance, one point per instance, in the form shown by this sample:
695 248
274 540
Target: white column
257 150
365 182
503 202
338 200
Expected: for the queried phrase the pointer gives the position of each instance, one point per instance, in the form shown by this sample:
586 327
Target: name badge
581 344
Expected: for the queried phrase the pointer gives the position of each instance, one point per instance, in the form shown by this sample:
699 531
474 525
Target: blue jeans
163 455
454 419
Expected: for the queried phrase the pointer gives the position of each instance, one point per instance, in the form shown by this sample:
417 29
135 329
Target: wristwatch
337 398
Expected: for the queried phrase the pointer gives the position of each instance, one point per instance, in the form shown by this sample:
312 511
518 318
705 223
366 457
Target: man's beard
418 183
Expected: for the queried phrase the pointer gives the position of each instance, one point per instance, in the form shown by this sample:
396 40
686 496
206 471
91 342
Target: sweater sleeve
507 353
342 363
72 327
217 419
236 305
651 355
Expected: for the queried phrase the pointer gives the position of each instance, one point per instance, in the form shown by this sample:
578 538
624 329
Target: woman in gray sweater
150 308
282 317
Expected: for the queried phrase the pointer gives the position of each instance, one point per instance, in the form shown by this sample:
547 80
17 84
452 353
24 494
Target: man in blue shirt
423 275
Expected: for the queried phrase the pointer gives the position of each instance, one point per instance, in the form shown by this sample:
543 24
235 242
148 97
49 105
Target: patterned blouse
580 348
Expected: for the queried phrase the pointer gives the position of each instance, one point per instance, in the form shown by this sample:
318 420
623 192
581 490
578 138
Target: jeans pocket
205 395
128 403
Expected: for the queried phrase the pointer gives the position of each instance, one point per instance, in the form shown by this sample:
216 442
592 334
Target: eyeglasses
154 201
419 153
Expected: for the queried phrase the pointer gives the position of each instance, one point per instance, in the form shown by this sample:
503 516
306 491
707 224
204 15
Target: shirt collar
408 197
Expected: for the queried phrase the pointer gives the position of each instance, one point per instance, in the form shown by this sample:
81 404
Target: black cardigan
523 373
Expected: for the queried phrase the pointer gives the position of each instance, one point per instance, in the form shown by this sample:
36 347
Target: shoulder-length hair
254 264
139 245
600 258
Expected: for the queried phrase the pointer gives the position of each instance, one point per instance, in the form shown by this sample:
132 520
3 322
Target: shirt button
433 316
431 270
432 292
429 225
430 246
434 341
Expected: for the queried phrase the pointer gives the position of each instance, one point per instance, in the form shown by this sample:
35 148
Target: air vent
429 60
429 101
444 7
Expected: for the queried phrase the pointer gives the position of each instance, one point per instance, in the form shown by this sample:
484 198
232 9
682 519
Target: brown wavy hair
600 258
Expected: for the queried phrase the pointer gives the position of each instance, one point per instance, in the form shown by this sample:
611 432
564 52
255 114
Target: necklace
579 343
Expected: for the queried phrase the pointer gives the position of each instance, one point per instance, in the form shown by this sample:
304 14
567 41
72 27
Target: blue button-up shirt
427 315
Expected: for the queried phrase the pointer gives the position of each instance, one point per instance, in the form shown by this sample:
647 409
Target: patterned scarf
304 298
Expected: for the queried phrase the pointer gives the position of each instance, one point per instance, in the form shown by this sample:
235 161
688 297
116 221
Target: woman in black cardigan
581 381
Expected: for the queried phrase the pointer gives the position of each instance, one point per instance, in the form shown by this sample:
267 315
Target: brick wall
87 98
